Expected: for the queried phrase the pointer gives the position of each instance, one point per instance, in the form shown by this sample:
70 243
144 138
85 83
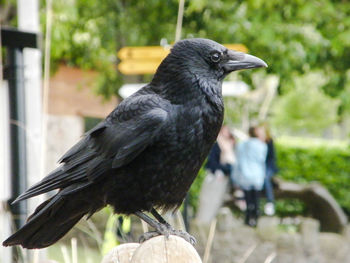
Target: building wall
71 98
72 93
63 132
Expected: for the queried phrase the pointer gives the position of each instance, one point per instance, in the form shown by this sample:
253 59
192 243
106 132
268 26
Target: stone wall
270 242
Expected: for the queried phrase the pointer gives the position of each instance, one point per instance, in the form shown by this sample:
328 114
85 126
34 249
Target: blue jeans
268 186
232 181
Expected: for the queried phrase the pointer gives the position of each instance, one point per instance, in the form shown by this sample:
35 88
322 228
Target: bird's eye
215 57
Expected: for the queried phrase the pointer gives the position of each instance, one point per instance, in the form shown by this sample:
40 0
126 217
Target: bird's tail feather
50 222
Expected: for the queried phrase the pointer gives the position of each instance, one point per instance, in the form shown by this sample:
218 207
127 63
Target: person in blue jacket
250 171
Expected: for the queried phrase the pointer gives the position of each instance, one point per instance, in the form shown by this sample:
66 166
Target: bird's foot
161 229
148 235
185 236
167 232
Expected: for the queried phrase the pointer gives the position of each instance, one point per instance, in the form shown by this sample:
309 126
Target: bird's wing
113 143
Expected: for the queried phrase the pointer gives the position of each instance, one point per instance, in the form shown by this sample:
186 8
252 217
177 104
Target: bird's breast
184 147
163 173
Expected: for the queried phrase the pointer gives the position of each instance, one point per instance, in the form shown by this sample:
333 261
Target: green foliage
294 37
8 13
90 122
88 33
234 110
329 166
194 192
306 107
290 207
110 238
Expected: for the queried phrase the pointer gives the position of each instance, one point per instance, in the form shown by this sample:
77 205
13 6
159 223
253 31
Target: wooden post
121 254
155 250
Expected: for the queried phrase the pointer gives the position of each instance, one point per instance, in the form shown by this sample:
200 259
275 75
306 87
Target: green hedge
328 165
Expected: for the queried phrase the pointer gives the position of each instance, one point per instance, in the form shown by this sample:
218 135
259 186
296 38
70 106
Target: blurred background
65 64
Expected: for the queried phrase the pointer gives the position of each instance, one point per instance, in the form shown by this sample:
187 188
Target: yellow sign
139 67
145 60
151 52
237 47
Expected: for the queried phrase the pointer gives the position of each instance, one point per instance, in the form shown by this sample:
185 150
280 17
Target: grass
63 253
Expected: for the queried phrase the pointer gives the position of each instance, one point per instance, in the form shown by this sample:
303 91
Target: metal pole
46 89
17 133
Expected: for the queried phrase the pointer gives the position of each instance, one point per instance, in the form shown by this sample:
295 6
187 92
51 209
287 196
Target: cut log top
156 250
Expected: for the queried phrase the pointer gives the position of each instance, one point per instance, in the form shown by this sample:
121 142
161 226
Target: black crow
147 152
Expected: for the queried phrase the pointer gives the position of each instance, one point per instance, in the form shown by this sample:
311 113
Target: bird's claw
148 235
185 236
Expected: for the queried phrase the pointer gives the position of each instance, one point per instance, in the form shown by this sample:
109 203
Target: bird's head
208 59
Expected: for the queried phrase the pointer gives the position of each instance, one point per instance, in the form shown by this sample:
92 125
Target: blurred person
222 157
271 170
218 169
250 172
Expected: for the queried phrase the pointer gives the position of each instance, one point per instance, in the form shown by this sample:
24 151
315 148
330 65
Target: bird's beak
237 60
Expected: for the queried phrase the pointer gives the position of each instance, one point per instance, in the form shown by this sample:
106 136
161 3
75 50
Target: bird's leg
149 220
162 228
160 218
173 231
